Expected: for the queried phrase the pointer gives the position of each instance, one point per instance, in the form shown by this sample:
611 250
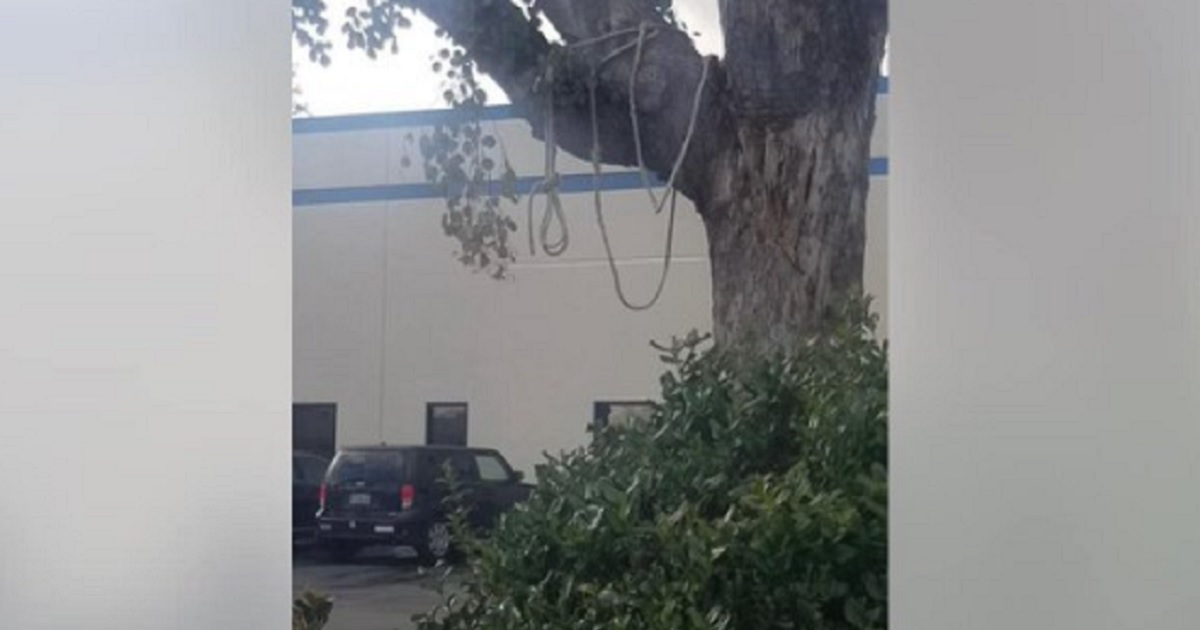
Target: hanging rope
591 41
633 117
599 207
550 182
549 186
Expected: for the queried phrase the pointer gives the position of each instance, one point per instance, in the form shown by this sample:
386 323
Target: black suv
394 495
308 471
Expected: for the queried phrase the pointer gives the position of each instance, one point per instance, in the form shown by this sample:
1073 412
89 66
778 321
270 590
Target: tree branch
510 49
787 58
497 35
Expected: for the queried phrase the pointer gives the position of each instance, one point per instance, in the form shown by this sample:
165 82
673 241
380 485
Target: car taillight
323 494
407 494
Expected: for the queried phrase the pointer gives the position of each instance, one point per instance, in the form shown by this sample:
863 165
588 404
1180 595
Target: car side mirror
518 475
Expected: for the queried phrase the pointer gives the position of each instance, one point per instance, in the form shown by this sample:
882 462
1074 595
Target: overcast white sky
355 84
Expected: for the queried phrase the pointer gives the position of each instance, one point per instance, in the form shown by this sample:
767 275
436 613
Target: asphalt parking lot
382 590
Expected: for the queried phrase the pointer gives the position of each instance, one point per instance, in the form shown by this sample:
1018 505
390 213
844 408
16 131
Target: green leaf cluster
754 497
311 610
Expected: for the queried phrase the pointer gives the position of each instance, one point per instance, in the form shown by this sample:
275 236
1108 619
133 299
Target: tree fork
779 173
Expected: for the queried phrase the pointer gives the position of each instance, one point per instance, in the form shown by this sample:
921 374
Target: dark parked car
394 495
308 471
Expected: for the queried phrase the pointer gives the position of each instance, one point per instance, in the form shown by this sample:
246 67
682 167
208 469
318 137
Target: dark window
311 469
491 468
314 428
367 467
430 467
616 413
460 464
464 468
446 424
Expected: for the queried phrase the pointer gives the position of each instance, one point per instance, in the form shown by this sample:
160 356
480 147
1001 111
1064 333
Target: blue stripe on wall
392 120
421 118
573 183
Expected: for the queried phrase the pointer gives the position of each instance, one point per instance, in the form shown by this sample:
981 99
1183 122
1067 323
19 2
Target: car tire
435 545
342 551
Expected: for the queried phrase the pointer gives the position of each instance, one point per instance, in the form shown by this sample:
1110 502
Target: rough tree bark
778 169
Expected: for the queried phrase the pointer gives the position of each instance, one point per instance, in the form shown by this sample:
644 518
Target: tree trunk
779 165
786 220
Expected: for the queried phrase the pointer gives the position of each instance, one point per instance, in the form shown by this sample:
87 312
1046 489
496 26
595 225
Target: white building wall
386 320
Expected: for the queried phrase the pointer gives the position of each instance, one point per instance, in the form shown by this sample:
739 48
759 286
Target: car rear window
367 466
491 467
433 462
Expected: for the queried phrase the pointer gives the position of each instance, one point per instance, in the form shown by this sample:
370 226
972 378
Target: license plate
360 499
385 529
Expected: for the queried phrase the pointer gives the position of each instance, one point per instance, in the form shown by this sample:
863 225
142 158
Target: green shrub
754 498
310 611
